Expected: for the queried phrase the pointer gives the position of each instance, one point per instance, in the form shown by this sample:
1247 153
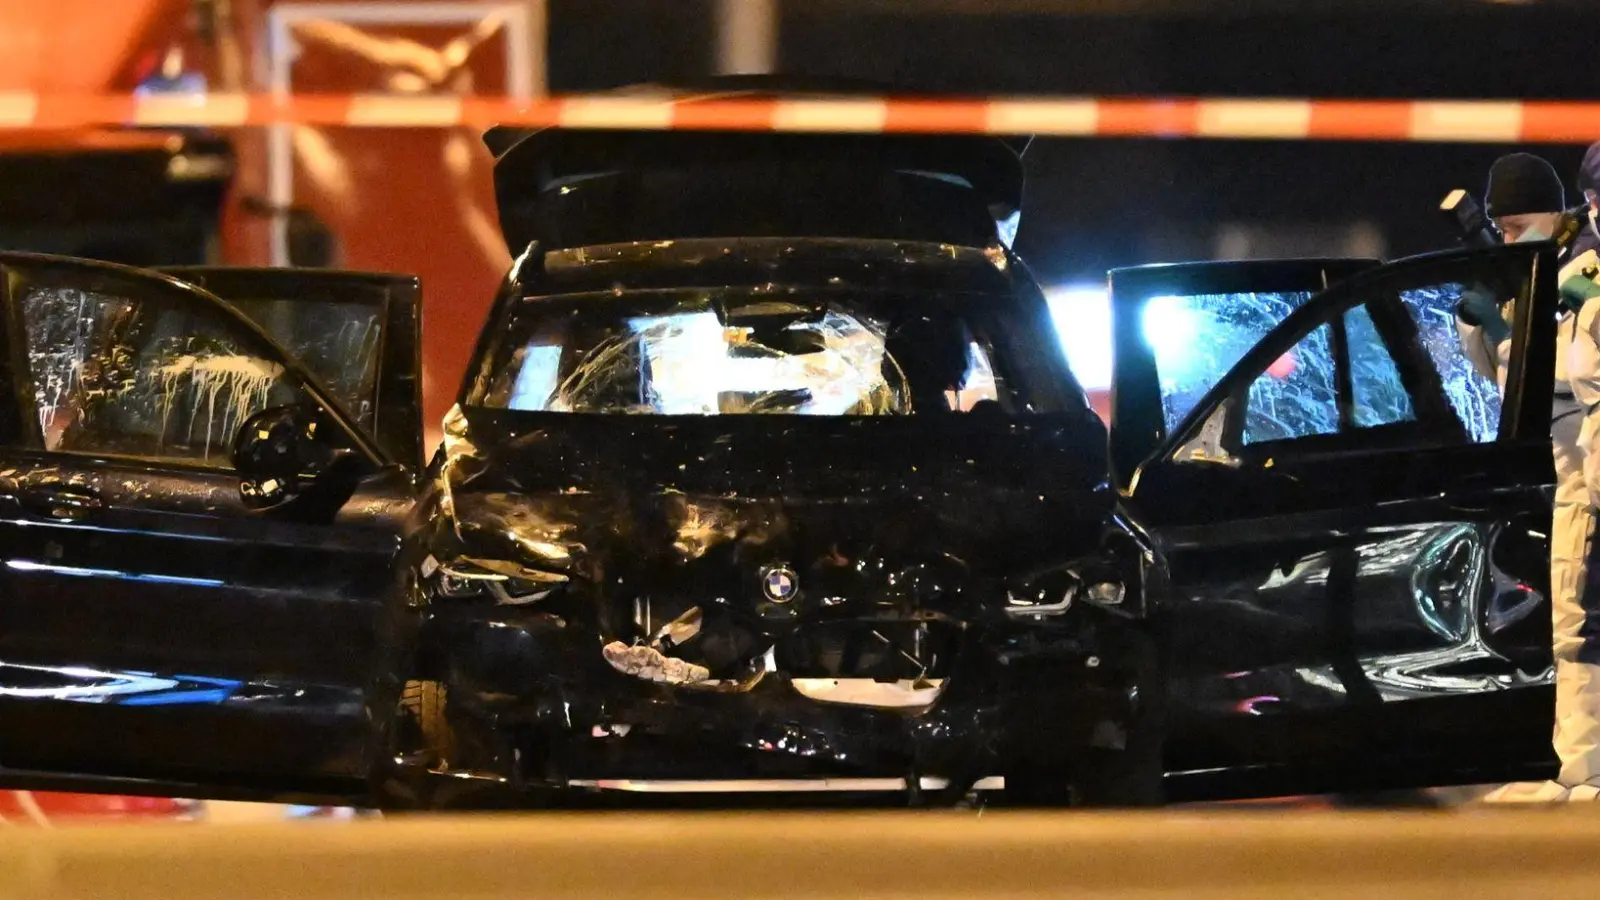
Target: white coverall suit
1577 649
1577 726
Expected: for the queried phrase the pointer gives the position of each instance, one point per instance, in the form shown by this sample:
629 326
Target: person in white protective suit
1527 203
1577 637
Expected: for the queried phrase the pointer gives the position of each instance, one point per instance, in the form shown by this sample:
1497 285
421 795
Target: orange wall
404 200
418 201
76 45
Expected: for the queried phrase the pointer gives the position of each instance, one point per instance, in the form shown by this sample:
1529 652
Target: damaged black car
839 516
769 478
723 506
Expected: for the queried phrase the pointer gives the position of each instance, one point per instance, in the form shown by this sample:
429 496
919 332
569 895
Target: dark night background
1095 204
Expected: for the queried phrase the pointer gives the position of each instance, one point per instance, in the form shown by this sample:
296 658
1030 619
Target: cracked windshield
723 353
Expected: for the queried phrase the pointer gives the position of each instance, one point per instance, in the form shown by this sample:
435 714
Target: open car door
198 538
359 332
1353 522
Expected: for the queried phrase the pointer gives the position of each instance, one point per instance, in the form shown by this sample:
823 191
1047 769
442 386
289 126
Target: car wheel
426 702
1103 777
1130 777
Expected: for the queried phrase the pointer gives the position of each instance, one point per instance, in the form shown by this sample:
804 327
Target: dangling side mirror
279 454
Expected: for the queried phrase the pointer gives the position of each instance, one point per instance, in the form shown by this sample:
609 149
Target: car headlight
1050 594
1053 593
501 581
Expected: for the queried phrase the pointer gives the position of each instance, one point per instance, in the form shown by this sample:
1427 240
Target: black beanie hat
1522 183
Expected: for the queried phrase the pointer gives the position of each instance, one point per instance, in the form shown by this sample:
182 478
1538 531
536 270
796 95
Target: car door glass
1378 396
1297 395
148 376
337 341
1475 399
1198 339
1398 369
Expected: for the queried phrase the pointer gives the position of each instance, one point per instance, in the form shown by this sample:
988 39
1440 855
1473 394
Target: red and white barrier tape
1370 120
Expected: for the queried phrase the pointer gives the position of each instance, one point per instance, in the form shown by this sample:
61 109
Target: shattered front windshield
736 351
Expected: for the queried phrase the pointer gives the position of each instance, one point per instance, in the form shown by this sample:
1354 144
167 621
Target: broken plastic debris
456 447
680 630
651 664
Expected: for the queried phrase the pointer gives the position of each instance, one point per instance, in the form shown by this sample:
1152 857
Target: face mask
1534 233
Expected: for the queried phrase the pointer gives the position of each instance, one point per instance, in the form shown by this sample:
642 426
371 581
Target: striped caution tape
1275 119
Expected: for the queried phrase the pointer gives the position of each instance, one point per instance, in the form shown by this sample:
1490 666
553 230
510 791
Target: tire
1103 779
1130 777
427 702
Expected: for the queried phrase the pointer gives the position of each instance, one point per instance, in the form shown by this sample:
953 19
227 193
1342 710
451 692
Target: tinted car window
1198 339
142 376
1475 399
339 342
1296 396
726 352
1378 396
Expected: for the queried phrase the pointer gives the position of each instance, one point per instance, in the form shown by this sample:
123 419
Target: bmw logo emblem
779 584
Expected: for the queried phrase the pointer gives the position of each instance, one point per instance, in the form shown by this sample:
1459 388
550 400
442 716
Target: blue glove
1480 307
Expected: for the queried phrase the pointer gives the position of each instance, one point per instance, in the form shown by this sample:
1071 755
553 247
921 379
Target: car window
1394 359
1298 396
1198 339
730 352
1475 399
128 373
337 341
1377 393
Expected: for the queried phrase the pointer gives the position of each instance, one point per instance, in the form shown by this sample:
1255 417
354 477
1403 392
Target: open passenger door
1345 516
359 333
197 536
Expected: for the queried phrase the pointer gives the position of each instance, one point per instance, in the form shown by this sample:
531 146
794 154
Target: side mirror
278 454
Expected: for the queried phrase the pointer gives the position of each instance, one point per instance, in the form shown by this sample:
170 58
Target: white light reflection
1170 327
1082 316
22 565
109 683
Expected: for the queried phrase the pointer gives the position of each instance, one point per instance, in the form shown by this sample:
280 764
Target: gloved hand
1480 308
1577 280
1577 290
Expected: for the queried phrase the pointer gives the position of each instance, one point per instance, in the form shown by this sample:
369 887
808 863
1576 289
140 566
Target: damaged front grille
883 651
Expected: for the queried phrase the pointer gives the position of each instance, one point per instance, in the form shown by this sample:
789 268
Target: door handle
67 502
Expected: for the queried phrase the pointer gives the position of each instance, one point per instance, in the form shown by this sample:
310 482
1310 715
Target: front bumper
535 705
